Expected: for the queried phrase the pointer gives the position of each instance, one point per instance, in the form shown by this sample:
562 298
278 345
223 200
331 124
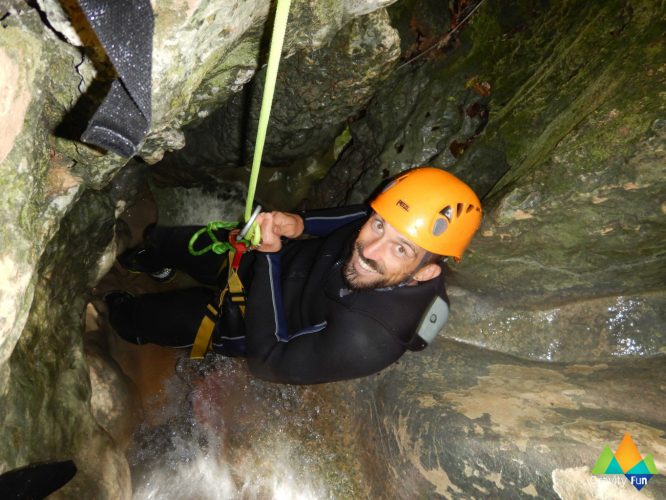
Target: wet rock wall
57 208
553 111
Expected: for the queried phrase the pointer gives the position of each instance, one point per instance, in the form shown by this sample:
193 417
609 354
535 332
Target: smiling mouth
365 266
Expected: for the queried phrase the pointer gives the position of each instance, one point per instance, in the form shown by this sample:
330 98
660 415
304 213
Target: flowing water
222 434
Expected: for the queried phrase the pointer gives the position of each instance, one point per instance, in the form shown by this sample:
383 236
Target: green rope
279 28
254 236
217 246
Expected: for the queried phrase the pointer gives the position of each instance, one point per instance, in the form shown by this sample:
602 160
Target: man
346 302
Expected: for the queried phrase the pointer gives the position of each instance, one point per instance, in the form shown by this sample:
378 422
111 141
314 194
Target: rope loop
216 246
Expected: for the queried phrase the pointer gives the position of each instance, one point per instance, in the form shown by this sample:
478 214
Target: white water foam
184 206
224 435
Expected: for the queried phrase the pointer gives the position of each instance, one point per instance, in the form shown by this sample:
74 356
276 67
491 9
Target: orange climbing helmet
433 208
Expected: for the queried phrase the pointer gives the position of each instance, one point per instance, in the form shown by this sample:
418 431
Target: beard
355 282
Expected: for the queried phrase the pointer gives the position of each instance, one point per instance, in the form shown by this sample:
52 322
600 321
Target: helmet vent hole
459 209
469 208
440 226
447 212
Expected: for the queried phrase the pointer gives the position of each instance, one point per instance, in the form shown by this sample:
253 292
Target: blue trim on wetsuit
324 222
316 223
281 330
310 329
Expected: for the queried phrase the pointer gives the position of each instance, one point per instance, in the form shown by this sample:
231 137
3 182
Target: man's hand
274 225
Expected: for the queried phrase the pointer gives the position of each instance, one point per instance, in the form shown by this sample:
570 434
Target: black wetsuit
302 324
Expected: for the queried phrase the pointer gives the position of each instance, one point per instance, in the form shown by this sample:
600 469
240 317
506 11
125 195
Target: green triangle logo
649 463
603 461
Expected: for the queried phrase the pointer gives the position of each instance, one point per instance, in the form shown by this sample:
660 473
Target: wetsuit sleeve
325 221
346 345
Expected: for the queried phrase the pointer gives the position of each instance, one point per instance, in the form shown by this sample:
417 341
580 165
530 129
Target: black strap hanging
125 29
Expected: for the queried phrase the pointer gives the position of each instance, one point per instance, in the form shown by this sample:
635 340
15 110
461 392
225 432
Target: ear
428 272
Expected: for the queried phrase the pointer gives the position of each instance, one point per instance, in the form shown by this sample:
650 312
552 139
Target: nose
373 249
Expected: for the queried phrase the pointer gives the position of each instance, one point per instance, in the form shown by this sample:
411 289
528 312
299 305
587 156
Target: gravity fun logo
626 461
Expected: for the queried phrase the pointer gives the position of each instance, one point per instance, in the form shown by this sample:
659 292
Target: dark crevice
42 15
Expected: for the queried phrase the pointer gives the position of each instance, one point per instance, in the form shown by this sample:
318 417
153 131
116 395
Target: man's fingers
276 224
270 239
287 224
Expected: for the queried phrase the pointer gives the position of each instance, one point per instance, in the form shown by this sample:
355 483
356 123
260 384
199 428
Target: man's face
381 257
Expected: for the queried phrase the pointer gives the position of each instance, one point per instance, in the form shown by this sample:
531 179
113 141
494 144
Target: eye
403 251
378 225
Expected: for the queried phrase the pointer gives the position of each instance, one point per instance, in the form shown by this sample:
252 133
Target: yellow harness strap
203 340
204 335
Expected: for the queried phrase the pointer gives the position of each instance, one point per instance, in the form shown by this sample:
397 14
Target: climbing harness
235 248
249 236
234 291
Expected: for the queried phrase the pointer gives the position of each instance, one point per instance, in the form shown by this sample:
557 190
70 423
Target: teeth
365 266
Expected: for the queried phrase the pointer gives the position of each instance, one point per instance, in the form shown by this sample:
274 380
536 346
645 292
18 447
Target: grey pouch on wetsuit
433 320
